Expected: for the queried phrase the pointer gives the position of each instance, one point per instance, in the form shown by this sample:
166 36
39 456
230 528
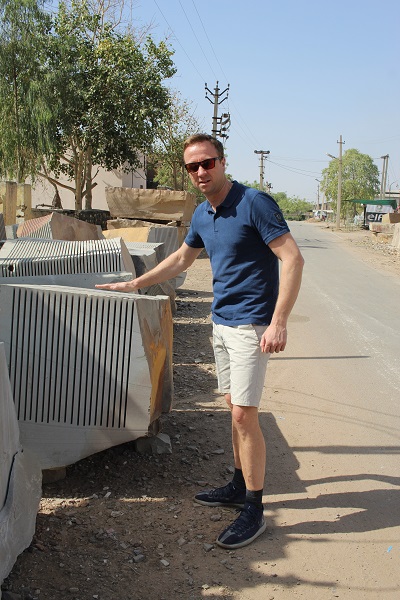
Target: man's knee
245 417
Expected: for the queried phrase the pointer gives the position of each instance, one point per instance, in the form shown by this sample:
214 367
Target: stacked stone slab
149 205
25 257
56 226
158 216
171 237
74 280
88 369
20 481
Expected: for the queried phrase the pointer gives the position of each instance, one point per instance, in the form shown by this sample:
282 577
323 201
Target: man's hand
274 339
121 286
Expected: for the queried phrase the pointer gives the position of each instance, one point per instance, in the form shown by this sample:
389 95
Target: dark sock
255 497
238 480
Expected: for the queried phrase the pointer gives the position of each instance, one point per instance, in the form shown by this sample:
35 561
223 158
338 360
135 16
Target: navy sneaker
247 527
228 495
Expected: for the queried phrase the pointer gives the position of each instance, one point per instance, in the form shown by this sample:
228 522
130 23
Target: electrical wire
222 71
177 39
209 41
197 39
298 171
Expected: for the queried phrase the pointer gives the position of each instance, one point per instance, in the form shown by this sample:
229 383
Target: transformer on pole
220 125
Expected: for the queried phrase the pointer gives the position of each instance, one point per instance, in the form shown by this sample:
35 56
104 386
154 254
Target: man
245 236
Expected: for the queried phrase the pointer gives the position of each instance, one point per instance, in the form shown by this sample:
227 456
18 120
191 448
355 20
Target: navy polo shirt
245 270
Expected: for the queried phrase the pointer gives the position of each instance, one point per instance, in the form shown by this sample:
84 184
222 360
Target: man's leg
249 446
241 371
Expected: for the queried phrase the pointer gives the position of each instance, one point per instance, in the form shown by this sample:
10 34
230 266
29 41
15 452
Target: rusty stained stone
157 336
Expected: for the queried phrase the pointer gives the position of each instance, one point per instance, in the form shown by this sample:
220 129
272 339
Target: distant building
43 192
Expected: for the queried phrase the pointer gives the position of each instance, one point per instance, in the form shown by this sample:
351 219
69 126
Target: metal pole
262 153
339 194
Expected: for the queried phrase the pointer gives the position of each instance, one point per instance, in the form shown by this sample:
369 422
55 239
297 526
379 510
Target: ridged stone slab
89 369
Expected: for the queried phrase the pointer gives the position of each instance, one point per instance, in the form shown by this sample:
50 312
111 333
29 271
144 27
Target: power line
176 37
298 171
197 39
208 39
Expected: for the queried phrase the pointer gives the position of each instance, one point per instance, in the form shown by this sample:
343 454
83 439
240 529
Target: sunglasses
207 164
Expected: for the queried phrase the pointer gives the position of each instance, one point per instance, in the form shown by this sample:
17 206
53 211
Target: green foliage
166 156
360 180
293 207
75 92
109 93
26 118
255 184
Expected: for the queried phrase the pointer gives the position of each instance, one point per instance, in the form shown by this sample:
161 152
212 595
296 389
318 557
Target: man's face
210 181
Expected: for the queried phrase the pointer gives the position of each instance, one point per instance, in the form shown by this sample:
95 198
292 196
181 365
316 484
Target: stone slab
78 280
20 481
391 218
150 205
56 226
382 227
89 369
32 257
396 236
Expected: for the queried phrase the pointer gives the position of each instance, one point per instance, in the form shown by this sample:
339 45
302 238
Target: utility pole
319 181
339 192
262 153
384 175
220 125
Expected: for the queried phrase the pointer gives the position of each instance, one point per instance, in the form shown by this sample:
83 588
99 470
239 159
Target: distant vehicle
320 214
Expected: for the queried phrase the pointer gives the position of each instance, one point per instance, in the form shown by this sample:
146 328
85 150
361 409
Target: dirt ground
123 526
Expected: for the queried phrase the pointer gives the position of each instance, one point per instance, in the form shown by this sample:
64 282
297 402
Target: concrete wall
43 192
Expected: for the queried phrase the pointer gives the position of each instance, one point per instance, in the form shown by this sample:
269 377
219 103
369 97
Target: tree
290 206
167 154
26 117
109 94
360 180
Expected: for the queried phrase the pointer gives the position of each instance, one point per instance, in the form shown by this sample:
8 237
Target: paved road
334 435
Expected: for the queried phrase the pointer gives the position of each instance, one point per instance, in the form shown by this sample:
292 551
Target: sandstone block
164 205
396 236
391 218
56 226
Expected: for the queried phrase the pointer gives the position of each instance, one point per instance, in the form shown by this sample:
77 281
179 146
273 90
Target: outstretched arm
286 249
167 269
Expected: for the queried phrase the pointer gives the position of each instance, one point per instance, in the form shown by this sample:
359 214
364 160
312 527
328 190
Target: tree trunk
79 159
88 180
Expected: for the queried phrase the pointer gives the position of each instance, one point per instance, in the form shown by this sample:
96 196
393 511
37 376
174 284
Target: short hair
204 137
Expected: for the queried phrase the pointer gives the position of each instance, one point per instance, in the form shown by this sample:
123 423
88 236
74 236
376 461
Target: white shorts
240 364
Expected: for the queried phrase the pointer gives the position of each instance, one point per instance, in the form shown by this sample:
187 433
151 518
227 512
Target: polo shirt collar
229 200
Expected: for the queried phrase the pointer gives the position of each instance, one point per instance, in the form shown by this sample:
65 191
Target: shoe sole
241 544
233 504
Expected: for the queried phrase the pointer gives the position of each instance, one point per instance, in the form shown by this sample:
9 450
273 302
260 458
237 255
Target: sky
300 74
